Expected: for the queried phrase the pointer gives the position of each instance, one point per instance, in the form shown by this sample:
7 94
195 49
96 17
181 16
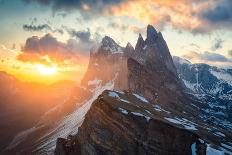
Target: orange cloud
48 50
180 14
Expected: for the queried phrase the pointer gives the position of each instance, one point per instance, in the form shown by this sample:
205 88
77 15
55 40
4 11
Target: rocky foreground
127 123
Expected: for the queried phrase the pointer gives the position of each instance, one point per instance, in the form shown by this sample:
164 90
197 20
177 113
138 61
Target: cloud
83 35
48 50
180 14
198 17
84 5
41 27
28 27
220 13
217 45
206 57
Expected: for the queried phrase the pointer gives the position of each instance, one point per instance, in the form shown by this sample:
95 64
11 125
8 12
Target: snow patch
184 122
116 96
158 108
113 94
141 98
221 75
144 47
21 136
213 151
141 115
123 111
193 148
70 124
94 82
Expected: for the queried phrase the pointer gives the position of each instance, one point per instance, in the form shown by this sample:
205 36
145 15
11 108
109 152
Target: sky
50 40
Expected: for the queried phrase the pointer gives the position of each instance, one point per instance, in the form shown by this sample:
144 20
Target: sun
46 70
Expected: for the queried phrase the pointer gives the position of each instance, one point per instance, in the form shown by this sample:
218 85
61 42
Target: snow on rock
21 136
144 47
141 98
193 148
213 151
123 111
191 86
184 122
70 124
220 75
108 44
227 148
94 82
141 115
158 108
115 95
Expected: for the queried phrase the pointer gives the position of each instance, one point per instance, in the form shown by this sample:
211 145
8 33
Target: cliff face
124 123
107 62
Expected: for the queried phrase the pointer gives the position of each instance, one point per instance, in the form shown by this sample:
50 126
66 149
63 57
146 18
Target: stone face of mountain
106 63
154 51
152 73
208 84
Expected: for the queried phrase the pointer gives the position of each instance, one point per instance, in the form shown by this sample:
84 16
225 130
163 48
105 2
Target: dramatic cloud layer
220 13
85 5
83 36
48 50
192 15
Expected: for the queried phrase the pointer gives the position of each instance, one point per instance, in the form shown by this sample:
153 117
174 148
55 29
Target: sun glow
46 70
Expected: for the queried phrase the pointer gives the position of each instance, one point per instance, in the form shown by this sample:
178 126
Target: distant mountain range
208 84
137 101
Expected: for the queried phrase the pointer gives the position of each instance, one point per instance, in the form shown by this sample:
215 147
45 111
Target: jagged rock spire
151 34
140 43
129 50
109 45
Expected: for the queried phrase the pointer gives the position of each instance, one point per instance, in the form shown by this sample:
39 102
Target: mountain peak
108 44
108 40
129 46
140 43
151 32
129 50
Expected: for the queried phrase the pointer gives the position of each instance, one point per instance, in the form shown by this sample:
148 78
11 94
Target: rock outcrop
107 62
125 123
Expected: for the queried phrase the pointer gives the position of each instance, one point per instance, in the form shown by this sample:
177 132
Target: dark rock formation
114 127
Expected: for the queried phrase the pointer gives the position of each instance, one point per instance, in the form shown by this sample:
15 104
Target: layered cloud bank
48 50
191 15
